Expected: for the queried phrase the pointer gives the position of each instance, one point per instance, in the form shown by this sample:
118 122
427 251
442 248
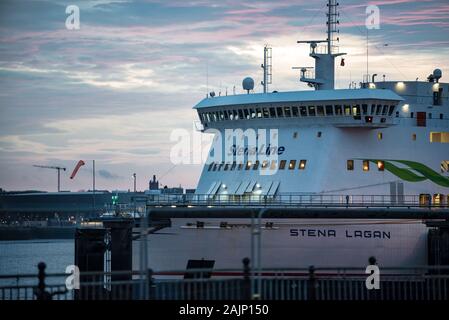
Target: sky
116 88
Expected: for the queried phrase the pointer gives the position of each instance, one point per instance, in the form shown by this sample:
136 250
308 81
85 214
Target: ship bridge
360 108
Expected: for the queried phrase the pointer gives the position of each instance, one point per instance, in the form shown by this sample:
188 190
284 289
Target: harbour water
22 257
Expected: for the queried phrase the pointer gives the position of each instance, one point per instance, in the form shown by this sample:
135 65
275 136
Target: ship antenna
267 68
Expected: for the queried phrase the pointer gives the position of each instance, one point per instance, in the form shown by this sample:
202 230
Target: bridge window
287 112
338 110
246 113
378 109
380 165
365 165
279 112
272 113
441 137
390 112
259 113
347 110
385 110
295 111
373 109
282 164
303 111
241 114
302 164
350 165
320 111
329 111
311 110
292 164
364 109
265 113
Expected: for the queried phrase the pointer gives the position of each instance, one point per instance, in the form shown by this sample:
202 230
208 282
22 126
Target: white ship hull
290 243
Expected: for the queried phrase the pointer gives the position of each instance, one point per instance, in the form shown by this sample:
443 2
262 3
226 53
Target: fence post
312 284
40 292
150 283
246 294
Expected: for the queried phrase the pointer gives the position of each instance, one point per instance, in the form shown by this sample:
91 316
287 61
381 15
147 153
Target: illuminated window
380 165
265 113
264 164
259 113
347 110
441 137
365 165
311 110
445 166
379 136
287 111
350 165
282 164
256 165
248 165
273 165
292 164
338 110
414 137
302 164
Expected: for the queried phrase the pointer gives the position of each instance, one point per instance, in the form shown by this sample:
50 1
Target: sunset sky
115 89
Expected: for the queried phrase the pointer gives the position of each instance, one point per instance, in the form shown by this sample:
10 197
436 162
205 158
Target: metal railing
293 200
417 283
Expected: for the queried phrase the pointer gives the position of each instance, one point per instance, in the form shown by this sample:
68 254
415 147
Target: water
22 257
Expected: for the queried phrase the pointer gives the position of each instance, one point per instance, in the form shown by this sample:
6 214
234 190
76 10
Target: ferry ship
384 143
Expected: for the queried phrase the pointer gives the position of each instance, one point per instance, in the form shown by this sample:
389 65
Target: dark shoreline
33 233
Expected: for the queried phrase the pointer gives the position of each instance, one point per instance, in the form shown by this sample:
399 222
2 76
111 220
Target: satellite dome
248 84
437 73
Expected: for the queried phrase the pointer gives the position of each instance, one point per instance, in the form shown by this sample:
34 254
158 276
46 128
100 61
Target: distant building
154 184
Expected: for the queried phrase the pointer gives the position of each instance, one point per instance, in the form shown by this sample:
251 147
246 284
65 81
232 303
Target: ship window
248 165
253 113
259 113
320 111
441 116
241 114
364 109
445 166
380 165
347 110
311 110
240 166
287 112
265 113
430 116
414 137
365 165
318 134
220 166
234 164
210 166
246 113
390 112
350 165
303 111
264 164
338 110
282 164
378 109
411 114
215 167
373 108
217 116
397 114
295 111
273 112
292 164
385 110
329 111
295 135
379 136
302 164
279 112
226 167
273 165
256 165
356 110
441 137
226 116
235 114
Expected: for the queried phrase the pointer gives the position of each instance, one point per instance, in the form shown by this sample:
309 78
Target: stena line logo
253 151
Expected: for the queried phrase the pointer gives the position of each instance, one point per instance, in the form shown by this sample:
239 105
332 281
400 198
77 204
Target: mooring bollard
312 284
246 294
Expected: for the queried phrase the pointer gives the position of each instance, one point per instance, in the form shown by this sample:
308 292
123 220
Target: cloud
108 175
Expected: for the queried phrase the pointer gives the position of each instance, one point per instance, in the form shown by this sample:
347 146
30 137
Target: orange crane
54 168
